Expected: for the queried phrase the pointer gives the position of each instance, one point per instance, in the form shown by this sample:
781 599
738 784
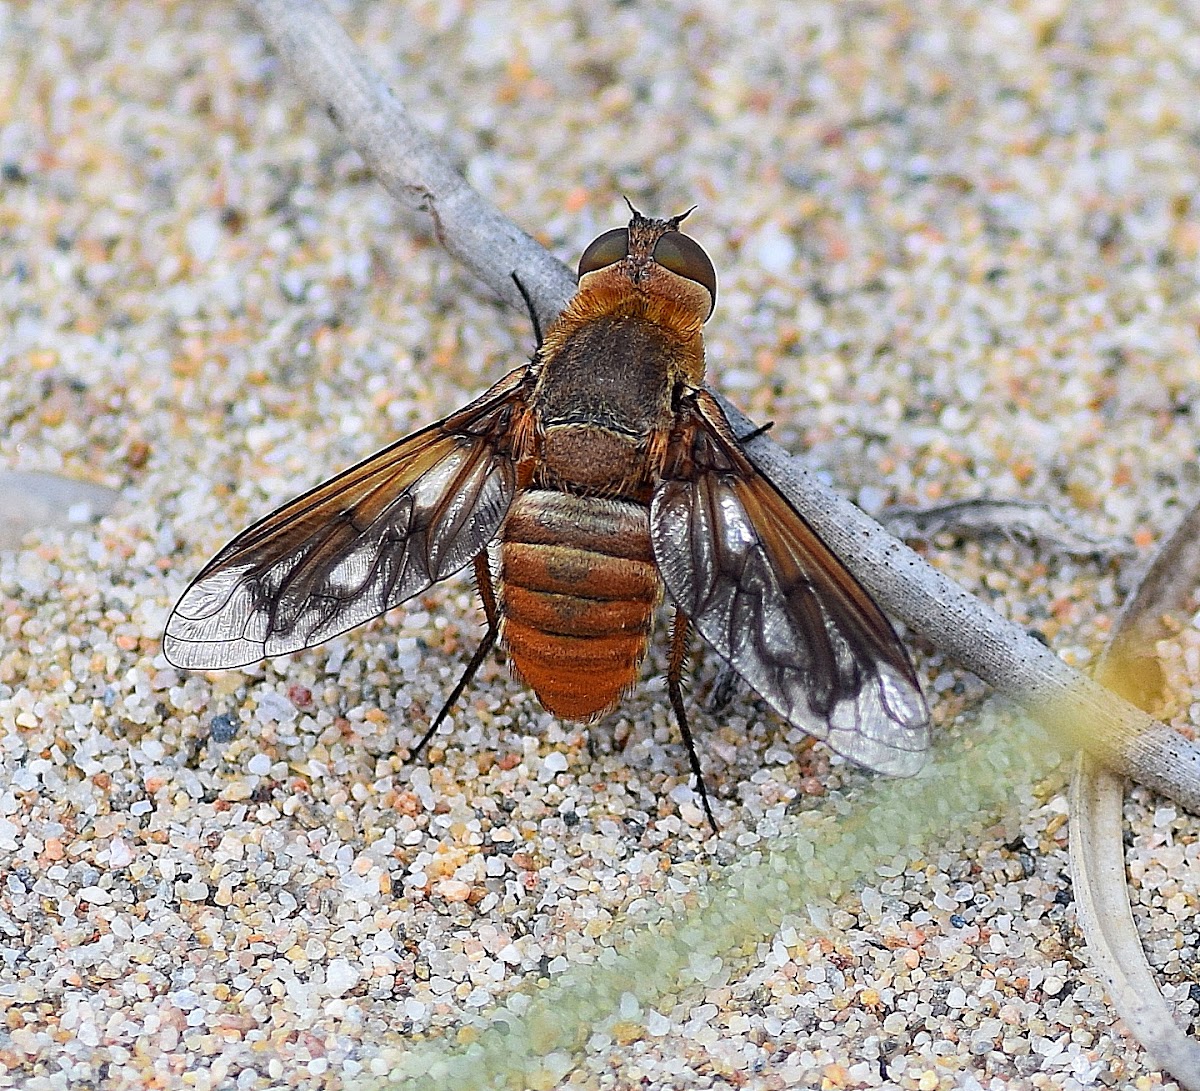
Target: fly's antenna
675 221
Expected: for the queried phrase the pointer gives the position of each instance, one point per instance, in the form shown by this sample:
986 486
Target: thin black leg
761 430
679 634
483 580
533 318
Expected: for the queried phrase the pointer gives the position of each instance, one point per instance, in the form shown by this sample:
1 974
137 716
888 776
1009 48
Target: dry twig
1016 520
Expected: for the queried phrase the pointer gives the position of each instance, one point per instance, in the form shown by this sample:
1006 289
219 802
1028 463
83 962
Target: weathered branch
1079 712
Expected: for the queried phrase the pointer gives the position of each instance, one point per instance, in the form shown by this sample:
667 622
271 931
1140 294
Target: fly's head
652 260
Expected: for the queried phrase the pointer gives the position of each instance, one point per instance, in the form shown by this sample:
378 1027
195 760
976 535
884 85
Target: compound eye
606 250
686 258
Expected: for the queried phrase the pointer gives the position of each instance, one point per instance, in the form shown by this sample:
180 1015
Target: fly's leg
483 580
679 635
533 318
761 430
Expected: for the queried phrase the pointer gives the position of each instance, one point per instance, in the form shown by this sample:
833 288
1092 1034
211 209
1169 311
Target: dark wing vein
765 591
356 545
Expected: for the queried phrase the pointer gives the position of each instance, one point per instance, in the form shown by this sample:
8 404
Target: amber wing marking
765 591
357 545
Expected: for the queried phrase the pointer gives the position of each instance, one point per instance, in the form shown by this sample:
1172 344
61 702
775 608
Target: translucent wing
770 597
357 545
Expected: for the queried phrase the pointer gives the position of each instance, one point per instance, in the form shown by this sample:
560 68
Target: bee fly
606 473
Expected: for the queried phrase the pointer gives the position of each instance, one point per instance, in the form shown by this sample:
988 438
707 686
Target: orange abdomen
577 591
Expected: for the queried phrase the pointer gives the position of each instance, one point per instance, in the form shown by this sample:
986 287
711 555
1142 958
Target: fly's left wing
770 597
358 545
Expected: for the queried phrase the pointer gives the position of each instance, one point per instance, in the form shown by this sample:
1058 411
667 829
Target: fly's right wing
773 600
358 545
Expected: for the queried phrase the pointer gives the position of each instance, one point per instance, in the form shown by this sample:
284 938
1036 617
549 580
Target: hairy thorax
599 401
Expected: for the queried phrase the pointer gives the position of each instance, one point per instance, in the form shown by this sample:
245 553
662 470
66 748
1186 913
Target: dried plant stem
1106 920
1129 661
1081 713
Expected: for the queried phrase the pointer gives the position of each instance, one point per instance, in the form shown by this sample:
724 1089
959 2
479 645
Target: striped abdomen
578 586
